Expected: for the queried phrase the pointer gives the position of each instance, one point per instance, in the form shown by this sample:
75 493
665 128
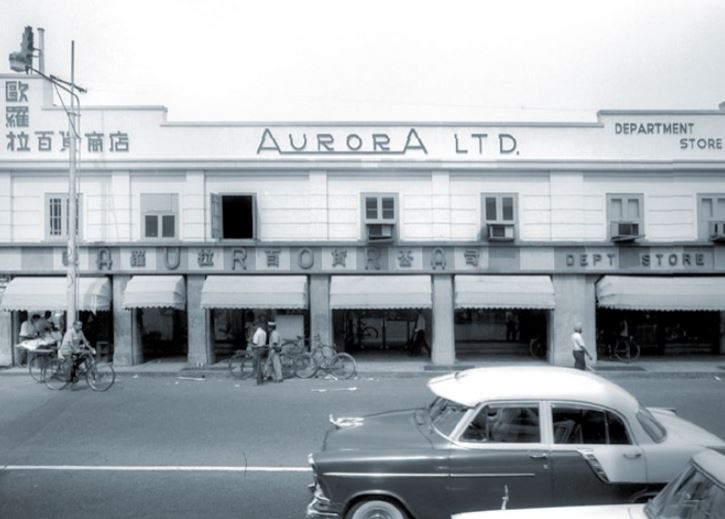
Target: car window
582 425
504 424
445 414
694 496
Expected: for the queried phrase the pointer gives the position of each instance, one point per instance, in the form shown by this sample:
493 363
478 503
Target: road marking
154 468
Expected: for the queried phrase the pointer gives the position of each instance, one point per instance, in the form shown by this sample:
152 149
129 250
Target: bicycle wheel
55 374
621 351
288 365
305 366
634 350
100 377
240 366
536 349
35 367
343 366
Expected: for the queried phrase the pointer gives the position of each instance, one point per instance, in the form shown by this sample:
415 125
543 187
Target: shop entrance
484 331
380 331
234 327
660 333
163 333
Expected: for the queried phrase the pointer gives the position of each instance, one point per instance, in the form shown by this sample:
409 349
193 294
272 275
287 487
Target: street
167 447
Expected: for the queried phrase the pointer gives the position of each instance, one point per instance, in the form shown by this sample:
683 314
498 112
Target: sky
390 60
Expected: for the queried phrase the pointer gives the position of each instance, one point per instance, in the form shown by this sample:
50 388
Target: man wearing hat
274 365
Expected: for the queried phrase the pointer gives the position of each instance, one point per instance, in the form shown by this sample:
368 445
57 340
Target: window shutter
216 216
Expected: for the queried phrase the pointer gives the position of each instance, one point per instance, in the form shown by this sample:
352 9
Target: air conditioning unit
380 231
717 231
625 231
500 232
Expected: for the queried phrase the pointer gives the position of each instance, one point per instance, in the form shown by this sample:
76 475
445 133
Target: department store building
495 233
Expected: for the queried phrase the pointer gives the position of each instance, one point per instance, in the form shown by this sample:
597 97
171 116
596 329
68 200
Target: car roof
474 386
712 461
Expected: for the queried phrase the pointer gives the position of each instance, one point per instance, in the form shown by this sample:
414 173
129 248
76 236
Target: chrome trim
387 474
593 462
495 475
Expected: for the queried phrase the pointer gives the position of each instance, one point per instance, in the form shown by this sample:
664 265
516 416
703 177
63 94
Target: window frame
625 197
703 222
499 220
594 407
218 205
457 434
65 208
159 214
367 222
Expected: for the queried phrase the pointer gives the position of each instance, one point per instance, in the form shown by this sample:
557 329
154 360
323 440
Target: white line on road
155 468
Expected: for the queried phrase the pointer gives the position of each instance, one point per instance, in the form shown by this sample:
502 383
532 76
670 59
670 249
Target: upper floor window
57 221
233 216
625 216
159 214
711 217
380 215
499 216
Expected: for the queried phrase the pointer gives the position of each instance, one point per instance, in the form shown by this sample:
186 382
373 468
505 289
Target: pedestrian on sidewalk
578 349
259 349
418 343
274 364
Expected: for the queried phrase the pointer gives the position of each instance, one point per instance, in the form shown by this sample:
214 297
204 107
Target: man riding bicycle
72 348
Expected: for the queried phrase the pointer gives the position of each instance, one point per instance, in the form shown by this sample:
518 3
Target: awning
661 293
380 292
254 292
527 292
50 293
155 292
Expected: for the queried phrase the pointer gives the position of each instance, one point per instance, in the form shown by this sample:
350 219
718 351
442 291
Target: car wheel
376 509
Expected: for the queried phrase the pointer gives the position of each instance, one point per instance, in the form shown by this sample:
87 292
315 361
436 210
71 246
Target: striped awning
51 293
661 293
526 292
155 292
254 292
380 292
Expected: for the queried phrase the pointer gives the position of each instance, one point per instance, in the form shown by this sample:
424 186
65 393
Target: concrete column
722 333
192 208
443 348
119 211
574 296
441 198
199 324
320 312
6 339
318 206
127 347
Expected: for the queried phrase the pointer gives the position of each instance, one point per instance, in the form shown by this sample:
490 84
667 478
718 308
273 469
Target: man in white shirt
274 364
259 348
578 349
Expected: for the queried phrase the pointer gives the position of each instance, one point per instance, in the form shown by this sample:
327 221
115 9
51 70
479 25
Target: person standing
28 332
259 347
274 364
578 349
419 341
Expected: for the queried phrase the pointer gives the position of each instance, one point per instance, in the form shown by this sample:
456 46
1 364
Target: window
233 217
499 216
693 495
625 216
711 217
445 414
583 425
379 216
57 216
504 423
159 213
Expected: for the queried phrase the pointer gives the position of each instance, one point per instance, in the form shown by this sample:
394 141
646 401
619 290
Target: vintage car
698 492
540 436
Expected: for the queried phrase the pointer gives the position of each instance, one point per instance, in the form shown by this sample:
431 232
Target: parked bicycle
537 348
626 349
325 358
98 376
293 360
241 364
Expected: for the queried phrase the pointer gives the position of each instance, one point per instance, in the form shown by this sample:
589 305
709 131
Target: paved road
165 423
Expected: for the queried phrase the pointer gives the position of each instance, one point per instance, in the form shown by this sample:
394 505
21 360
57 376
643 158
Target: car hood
563 512
680 430
389 430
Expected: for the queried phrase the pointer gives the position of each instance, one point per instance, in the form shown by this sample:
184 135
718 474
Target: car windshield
652 427
445 414
690 496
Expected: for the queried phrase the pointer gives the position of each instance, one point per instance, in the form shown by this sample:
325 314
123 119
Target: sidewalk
399 366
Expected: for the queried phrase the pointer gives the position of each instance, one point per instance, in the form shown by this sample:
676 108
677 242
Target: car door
499 456
593 455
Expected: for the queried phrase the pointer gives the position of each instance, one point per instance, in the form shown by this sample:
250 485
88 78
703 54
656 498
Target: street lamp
22 61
